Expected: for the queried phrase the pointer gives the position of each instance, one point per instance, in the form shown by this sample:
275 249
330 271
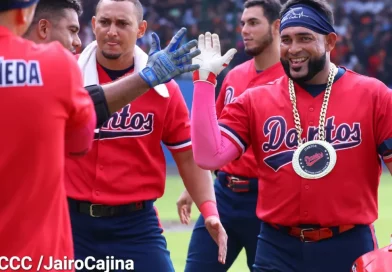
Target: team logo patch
314 159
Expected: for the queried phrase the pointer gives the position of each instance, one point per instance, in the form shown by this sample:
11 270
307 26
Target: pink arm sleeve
78 140
211 150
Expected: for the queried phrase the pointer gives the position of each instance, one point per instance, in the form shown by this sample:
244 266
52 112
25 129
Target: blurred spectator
365 44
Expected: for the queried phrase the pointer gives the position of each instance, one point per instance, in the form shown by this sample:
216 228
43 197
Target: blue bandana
308 17
16 4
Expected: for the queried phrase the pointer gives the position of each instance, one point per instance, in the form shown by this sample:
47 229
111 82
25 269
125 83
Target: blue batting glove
163 65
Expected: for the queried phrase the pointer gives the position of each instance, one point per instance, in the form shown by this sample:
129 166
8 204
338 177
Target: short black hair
271 8
53 9
138 6
319 5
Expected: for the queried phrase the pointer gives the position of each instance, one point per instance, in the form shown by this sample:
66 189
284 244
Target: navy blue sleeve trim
179 145
385 148
234 135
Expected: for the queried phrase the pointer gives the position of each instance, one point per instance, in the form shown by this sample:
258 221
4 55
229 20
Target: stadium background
364 45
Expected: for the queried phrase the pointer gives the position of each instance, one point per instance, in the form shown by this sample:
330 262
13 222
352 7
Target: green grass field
178 241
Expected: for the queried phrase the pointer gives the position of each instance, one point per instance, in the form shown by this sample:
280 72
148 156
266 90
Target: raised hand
163 65
210 60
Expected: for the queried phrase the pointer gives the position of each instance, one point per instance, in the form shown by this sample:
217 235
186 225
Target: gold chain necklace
315 158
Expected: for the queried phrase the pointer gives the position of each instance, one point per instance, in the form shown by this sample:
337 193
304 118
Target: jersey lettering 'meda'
17 73
125 124
275 129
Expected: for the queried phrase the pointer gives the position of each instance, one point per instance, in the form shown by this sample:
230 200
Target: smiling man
318 134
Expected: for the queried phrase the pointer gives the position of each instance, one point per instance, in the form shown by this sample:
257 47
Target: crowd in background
364 28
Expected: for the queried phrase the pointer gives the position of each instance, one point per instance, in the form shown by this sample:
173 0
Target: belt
99 210
237 184
315 234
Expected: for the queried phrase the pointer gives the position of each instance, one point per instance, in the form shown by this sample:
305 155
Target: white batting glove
210 60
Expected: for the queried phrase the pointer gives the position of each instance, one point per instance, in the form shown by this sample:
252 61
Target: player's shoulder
267 89
270 85
50 51
276 70
268 75
364 82
356 77
50 55
241 69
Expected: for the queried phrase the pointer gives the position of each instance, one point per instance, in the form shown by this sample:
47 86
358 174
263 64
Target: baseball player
58 21
318 135
236 182
112 190
39 105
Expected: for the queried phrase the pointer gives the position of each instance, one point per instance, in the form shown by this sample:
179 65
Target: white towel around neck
88 64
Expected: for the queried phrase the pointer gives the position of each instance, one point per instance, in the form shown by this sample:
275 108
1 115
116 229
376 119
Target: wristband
148 75
209 208
202 76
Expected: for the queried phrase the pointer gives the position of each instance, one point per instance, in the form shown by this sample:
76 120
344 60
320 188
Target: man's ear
142 29
276 27
330 41
43 28
93 22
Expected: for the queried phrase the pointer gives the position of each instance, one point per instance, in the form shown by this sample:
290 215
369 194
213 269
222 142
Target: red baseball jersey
126 162
239 79
39 105
359 126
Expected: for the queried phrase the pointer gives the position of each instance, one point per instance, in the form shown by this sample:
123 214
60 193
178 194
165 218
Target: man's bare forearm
162 66
123 91
198 182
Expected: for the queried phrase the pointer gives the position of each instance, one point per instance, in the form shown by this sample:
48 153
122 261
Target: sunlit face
116 27
256 31
65 30
303 53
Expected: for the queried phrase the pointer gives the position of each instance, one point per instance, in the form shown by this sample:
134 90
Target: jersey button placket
100 175
304 202
311 116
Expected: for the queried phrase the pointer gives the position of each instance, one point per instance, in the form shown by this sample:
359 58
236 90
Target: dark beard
264 44
315 66
111 56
